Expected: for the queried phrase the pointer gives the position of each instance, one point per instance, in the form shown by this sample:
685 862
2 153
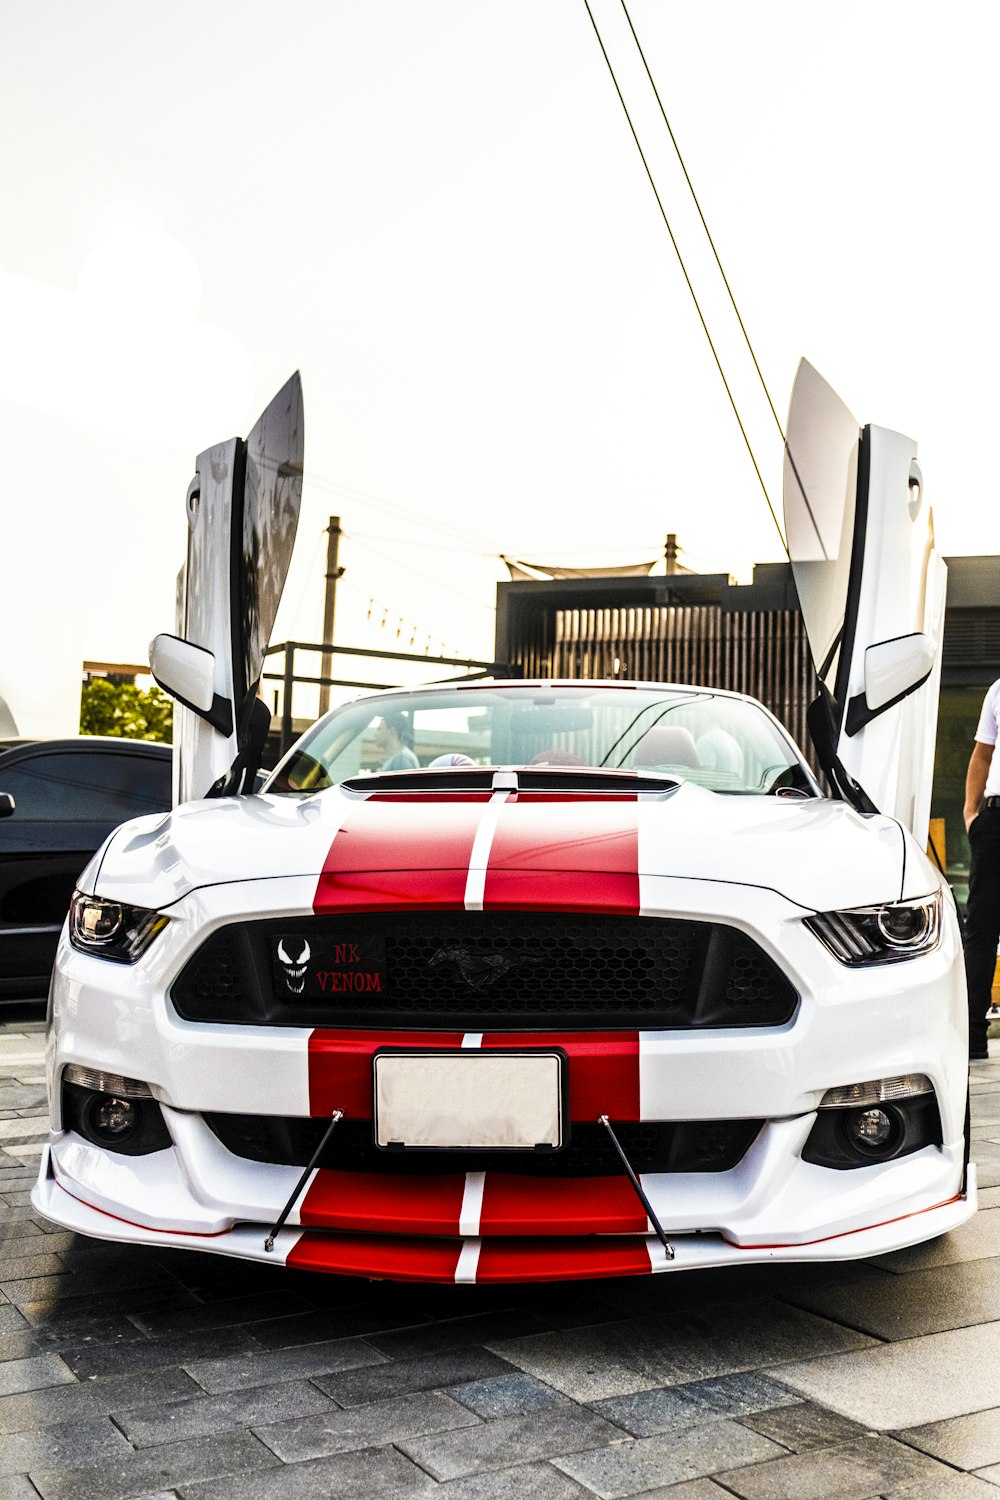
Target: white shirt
987 733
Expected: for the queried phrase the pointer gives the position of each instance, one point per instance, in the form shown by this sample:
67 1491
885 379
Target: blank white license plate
469 1099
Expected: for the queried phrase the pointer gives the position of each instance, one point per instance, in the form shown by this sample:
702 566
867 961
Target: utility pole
333 572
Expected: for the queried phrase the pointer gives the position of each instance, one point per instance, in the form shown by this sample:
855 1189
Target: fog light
875 1132
872 1130
111 1120
872 1126
125 1120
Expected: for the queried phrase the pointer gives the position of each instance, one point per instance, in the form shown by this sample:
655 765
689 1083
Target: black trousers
982 918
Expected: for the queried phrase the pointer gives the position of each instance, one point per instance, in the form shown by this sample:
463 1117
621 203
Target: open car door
871 587
242 511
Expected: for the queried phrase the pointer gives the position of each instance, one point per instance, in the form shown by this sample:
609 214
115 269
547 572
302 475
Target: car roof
543 684
90 742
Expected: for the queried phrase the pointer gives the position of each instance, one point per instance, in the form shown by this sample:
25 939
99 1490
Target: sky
435 210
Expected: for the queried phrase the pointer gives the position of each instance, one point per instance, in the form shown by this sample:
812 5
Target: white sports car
529 980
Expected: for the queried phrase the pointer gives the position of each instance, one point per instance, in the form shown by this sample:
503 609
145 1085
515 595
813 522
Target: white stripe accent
472 1203
472 1039
475 883
293 1217
468 1260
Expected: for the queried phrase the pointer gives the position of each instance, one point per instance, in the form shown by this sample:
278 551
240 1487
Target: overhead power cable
406 541
334 486
687 278
437 583
704 225
387 540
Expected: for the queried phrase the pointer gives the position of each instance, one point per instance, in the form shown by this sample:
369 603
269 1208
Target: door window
87 787
820 490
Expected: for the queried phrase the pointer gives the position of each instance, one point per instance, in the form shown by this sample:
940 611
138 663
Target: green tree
125 711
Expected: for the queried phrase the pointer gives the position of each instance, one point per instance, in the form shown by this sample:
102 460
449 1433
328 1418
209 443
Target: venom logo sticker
295 968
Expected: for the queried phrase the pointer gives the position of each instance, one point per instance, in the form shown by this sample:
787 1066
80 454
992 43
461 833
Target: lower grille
476 971
651 1146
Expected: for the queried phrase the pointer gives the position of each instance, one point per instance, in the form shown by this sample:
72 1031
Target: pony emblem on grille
295 968
482 970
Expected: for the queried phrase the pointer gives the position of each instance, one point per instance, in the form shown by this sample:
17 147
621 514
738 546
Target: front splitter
496 1260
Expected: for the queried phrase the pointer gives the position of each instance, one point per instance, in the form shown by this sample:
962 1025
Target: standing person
391 738
982 820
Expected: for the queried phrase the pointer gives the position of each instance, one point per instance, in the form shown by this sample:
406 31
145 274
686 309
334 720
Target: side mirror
7 804
893 670
187 673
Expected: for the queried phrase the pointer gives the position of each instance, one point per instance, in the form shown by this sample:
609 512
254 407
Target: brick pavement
146 1373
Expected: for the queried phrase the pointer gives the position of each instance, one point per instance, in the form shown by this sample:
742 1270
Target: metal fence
289 677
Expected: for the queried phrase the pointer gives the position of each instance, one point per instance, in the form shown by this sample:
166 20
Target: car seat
556 758
666 746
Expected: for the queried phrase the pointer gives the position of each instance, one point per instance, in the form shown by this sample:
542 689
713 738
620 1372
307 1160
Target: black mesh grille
748 976
651 1146
214 977
488 970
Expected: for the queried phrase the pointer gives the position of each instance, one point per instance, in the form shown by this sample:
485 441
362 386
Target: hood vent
515 778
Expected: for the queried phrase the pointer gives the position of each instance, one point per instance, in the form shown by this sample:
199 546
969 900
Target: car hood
560 850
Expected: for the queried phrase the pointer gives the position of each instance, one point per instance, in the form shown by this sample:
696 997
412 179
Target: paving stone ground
130 1372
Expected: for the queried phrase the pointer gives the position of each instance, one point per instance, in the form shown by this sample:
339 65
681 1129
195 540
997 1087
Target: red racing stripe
562 1260
385 1204
379 1256
405 850
565 854
398 1259
603 1068
516 1205
340 1065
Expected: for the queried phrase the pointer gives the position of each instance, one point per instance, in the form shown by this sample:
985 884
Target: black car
59 800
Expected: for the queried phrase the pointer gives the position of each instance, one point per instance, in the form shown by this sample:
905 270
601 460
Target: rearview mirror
552 718
187 673
893 670
6 804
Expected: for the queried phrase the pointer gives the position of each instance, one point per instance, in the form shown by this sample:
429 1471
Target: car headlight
110 929
881 934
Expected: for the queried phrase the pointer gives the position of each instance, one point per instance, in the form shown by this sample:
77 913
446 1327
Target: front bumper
496 1226
477 1259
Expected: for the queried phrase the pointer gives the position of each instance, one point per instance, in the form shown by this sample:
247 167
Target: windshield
724 744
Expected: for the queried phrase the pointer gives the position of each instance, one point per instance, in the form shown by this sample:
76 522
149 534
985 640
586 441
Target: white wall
40 674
